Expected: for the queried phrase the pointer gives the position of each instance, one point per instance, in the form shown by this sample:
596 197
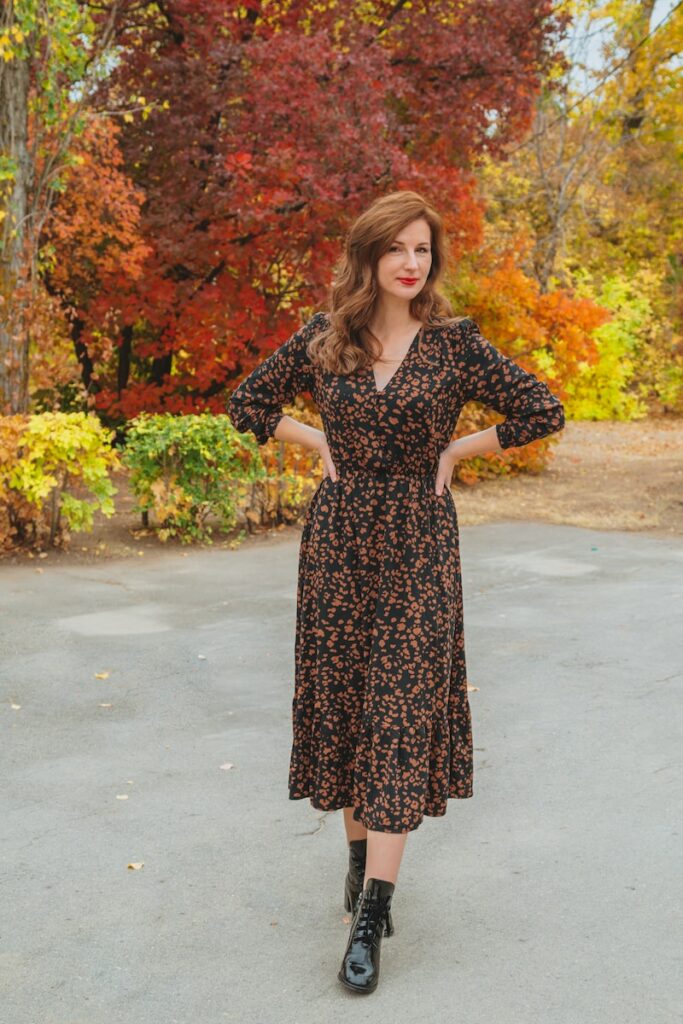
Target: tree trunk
125 349
634 104
14 342
83 356
161 367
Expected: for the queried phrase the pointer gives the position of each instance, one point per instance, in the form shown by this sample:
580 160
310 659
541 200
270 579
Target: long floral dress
380 712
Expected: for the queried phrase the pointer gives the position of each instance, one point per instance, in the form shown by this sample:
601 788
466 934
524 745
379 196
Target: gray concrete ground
552 896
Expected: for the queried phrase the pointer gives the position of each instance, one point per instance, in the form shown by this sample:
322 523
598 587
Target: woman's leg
371 918
354 829
385 850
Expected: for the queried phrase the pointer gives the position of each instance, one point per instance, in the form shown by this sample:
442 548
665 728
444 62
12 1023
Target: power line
580 100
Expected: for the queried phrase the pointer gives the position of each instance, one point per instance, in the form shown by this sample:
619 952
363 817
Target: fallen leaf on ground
101 675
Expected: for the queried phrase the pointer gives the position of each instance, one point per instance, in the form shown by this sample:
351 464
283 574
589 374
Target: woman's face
402 270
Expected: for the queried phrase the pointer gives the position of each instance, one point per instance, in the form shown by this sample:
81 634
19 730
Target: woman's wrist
320 442
293 431
483 442
462 447
454 449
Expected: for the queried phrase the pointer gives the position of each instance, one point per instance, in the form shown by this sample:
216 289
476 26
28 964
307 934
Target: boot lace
371 914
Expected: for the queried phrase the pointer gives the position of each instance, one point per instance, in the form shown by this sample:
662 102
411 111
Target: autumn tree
261 132
595 182
51 54
98 229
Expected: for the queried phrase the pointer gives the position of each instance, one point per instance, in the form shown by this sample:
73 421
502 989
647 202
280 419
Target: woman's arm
531 410
256 403
481 443
291 430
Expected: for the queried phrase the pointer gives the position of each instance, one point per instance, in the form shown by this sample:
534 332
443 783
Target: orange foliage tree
547 333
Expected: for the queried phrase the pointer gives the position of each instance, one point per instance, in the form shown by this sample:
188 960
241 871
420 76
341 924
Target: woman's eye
396 248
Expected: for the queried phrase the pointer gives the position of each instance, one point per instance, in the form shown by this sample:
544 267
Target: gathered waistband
386 472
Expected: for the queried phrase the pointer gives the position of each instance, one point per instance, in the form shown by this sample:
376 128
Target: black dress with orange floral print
380 712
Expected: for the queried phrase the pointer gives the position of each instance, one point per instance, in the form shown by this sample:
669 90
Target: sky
597 33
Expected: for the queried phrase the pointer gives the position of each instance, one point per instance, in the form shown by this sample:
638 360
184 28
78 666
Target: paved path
551 897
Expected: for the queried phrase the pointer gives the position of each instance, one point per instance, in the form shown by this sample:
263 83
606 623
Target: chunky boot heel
359 971
354 879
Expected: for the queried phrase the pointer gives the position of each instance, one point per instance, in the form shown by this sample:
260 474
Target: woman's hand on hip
444 473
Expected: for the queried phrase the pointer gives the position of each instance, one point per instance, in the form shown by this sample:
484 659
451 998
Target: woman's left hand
444 473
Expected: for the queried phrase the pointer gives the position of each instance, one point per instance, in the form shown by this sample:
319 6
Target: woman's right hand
291 430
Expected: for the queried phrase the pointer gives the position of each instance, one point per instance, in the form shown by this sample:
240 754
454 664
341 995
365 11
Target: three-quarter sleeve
256 403
531 409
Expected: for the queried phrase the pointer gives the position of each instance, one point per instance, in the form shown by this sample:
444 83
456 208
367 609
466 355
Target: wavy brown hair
340 347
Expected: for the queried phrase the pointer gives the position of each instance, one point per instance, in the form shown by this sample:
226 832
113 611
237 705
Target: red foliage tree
261 133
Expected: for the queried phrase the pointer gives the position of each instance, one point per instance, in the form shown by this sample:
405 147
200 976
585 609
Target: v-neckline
381 391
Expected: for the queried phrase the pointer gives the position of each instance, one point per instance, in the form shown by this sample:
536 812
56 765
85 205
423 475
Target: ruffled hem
395 775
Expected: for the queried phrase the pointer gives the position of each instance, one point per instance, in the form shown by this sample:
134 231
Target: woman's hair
353 295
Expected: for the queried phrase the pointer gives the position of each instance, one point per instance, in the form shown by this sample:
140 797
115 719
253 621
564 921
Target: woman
380 714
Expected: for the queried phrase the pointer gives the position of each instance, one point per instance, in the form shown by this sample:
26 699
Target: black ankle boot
354 879
371 920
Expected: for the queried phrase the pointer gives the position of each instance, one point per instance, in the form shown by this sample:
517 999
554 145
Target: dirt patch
608 476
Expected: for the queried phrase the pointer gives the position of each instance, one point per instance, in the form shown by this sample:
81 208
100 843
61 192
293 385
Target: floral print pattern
380 713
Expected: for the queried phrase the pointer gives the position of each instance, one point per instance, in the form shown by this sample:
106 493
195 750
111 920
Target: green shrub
185 469
43 459
637 364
